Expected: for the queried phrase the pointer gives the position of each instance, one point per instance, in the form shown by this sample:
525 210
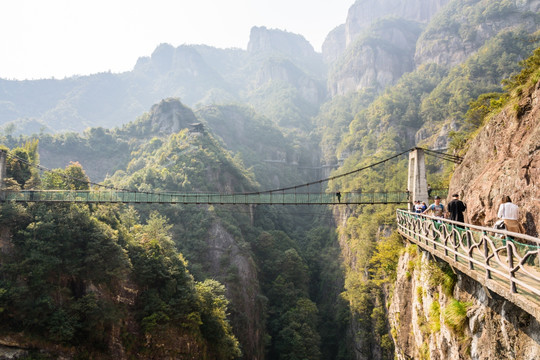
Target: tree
18 166
72 177
215 327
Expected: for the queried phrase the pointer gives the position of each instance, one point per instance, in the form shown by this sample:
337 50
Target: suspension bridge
303 194
506 263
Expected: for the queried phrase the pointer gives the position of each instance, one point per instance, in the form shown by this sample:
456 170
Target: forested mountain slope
302 283
268 259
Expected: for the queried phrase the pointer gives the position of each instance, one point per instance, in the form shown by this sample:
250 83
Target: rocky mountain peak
263 40
170 116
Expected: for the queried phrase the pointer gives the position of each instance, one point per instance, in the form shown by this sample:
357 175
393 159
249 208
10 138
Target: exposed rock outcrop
170 116
376 59
279 43
461 28
278 70
492 327
226 257
504 159
262 39
364 13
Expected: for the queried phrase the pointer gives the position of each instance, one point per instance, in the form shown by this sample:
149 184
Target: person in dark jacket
456 208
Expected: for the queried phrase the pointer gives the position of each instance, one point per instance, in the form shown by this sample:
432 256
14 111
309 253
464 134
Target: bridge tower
3 156
417 183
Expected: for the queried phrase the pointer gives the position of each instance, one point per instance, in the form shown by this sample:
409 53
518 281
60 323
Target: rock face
461 28
263 40
224 256
364 13
492 327
283 44
376 59
334 45
504 159
275 70
170 116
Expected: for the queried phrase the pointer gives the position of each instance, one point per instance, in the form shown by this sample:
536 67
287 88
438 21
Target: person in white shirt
509 212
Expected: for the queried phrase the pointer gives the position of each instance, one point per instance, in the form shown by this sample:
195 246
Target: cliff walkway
506 263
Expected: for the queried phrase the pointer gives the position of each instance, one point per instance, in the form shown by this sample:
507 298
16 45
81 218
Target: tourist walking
509 212
456 208
436 208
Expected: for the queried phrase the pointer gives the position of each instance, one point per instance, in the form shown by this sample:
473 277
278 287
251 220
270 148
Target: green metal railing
507 263
270 198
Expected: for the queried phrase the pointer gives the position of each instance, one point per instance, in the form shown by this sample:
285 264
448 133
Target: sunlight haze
62 38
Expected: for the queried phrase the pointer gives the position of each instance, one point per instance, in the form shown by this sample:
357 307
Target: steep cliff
364 13
436 314
462 27
504 159
278 42
377 58
440 313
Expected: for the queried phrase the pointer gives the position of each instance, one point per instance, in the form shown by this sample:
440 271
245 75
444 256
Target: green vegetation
435 316
73 275
455 315
67 264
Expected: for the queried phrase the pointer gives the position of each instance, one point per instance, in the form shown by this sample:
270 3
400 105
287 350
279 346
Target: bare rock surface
504 159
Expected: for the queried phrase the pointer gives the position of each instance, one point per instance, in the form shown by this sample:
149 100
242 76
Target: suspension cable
444 156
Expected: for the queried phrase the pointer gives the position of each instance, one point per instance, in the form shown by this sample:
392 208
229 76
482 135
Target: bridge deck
269 198
506 263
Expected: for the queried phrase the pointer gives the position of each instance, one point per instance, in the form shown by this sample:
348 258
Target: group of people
454 211
508 211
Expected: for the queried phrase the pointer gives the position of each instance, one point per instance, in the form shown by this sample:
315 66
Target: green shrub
435 316
455 315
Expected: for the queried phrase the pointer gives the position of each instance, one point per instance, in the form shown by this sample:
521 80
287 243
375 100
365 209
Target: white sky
59 38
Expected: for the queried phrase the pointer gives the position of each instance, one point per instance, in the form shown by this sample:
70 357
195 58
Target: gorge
273 282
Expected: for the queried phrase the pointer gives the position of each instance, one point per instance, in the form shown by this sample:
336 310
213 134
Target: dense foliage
66 266
158 279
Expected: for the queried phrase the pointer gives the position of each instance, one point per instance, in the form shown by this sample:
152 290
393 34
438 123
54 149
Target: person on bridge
436 208
338 195
509 212
456 208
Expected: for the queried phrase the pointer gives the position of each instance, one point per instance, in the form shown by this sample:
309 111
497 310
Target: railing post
510 254
486 254
469 253
433 234
455 236
445 235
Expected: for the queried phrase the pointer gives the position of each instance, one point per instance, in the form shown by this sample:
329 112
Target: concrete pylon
417 183
3 156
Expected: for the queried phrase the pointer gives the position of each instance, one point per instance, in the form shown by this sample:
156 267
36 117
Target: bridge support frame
3 167
417 181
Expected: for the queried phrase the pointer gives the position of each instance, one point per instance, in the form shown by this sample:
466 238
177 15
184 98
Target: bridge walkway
256 198
506 263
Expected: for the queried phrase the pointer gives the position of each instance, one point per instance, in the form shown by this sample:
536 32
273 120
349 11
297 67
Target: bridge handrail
488 255
128 196
476 227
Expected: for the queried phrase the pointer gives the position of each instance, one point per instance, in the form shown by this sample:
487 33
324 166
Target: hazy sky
46 38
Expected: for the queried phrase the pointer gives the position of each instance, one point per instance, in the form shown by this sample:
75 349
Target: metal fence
506 262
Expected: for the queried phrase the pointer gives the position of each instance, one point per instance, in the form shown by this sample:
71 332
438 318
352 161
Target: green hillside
237 281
